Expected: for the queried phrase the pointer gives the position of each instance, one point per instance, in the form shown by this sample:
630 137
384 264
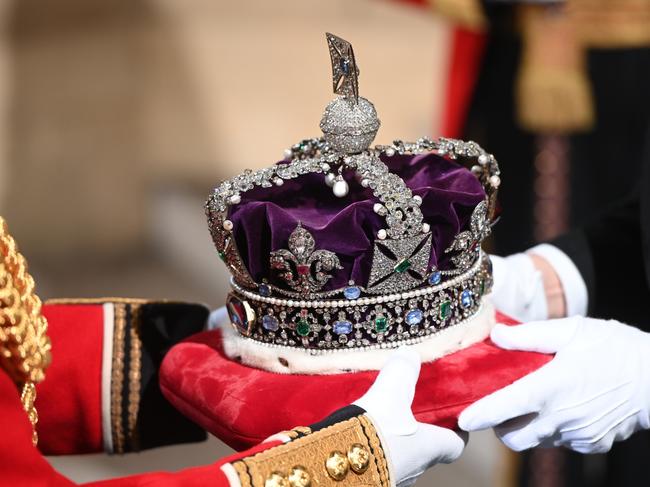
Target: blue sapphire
344 64
414 317
264 290
342 327
270 323
435 278
466 298
352 292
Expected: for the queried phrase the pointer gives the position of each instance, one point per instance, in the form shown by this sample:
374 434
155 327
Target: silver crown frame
396 304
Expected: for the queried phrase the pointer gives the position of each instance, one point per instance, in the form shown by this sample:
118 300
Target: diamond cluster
350 126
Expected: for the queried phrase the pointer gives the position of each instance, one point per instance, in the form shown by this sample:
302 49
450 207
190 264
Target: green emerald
403 265
445 310
381 324
222 256
482 288
303 328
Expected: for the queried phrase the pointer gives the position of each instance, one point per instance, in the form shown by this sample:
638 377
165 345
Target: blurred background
117 117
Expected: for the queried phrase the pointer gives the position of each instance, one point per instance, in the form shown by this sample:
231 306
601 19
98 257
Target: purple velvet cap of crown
348 226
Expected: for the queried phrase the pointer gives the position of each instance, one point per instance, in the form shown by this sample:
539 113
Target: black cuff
338 416
159 326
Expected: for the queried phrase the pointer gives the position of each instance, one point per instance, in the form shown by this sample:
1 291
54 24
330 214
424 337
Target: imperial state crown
340 253
342 247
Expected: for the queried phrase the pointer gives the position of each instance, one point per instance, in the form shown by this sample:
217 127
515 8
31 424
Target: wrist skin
555 296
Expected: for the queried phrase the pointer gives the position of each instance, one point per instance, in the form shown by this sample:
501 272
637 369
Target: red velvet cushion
242 405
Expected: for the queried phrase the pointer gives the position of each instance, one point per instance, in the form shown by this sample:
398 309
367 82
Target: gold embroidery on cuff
242 473
321 459
377 450
135 377
117 376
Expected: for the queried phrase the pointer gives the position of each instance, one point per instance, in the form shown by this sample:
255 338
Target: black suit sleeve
609 255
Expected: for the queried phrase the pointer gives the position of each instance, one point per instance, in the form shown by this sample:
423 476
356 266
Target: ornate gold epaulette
346 453
24 344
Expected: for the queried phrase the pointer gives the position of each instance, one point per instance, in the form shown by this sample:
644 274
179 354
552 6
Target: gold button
299 477
337 465
359 458
276 479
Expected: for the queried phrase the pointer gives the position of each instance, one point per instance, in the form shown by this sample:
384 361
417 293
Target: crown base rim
294 360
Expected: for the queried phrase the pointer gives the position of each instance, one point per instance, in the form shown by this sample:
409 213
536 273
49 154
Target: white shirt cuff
575 289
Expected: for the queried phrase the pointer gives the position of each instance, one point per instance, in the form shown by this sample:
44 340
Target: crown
342 246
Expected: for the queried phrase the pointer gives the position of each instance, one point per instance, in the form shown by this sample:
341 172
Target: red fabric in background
243 405
467 48
69 399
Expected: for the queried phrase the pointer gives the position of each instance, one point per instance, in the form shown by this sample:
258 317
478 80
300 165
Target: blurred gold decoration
553 86
24 344
611 23
553 91
468 13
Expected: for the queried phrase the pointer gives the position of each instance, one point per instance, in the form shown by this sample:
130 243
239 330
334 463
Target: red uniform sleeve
101 391
21 464
70 417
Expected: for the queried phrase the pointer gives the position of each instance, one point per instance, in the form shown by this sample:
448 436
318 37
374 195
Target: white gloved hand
595 391
518 288
218 318
412 447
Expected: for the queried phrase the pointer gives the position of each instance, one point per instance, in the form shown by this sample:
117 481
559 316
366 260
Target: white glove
595 391
218 318
412 447
518 289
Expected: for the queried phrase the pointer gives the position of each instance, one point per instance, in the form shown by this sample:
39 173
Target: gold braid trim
242 473
135 377
117 377
126 380
126 366
379 456
25 349
347 453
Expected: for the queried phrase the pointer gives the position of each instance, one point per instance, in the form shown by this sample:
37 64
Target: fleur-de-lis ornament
304 269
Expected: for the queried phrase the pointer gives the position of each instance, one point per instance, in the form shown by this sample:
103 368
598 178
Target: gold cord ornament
24 344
